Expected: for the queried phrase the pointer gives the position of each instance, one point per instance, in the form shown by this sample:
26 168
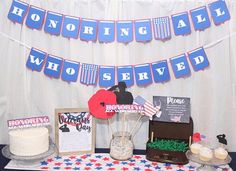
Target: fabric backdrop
24 93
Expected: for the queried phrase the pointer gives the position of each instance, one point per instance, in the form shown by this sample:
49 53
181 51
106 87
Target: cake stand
209 165
28 160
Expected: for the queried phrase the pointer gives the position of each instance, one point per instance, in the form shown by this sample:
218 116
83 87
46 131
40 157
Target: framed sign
74 131
172 109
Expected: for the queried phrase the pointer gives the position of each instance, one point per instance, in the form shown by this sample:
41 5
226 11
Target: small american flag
89 73
161 27
149 109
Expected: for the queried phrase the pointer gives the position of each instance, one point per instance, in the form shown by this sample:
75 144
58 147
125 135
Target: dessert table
99 161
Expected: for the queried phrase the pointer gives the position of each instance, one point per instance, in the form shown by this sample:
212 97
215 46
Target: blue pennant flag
160 71
70 71
35 17
180 66
53 66
36 59
125 31
198 59
143 74
18 11
89 74
125 74
70 28
106 31
88 30
143 30
161 28
181 24
53 23
106 76
200 18
219 12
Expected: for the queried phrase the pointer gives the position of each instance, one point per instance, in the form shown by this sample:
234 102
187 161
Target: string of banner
124 31
143 74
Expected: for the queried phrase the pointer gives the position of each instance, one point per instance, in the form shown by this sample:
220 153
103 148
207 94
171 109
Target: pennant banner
70 71
35 18
161 27
107 76
124 31
89 74
180 66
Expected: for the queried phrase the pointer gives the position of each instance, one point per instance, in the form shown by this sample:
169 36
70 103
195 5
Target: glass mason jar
121 146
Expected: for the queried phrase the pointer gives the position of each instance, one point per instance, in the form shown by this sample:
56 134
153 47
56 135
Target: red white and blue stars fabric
103 162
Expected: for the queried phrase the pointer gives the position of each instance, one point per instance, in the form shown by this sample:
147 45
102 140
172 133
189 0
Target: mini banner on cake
181 24
143 30
143 74
70 71
28 122
70 28
106 76
18 11
36 60
219 12
106 31
35 18
53 66
89 73
161 27
180 66
198 59
200 18
124 31
125 74
88 30
160 71
53 23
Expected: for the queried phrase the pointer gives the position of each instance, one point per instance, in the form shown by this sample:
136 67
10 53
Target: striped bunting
161 27
89 73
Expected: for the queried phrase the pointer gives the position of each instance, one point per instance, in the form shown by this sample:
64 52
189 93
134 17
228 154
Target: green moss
169 145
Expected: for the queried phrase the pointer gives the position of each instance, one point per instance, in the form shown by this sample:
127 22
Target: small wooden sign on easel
74 131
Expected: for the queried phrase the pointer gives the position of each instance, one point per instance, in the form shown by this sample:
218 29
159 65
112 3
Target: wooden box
169 131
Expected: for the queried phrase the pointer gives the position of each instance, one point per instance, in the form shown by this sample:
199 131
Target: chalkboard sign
172 109
74 131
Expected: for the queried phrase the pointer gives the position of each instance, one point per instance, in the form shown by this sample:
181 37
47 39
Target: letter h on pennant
53 66
18 11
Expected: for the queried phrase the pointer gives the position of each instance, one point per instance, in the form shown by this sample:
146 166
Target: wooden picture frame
74 131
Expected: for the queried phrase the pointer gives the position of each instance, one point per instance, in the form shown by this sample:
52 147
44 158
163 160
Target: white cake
29 141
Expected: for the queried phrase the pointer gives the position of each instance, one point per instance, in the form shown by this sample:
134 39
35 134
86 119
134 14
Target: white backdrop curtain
24 93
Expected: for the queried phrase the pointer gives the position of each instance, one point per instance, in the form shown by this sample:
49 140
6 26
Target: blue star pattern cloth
103 162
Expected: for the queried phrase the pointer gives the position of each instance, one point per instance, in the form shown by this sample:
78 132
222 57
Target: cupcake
220 153
205 154
195 148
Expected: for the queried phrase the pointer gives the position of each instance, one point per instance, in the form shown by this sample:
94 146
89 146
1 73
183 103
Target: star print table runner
103 162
